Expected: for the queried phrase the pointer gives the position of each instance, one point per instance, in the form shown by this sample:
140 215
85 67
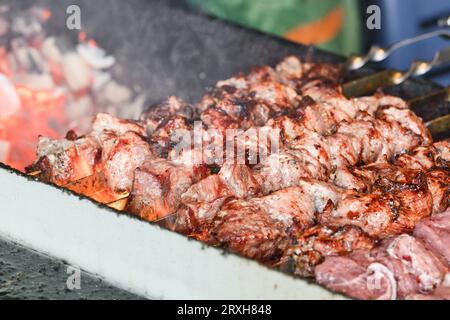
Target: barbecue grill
165 48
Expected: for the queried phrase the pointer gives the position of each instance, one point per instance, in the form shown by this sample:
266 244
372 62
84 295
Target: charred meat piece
218 119
127 153
309 248
257 228
105 122
409 170
425 157
301 75
381 214
285 169
157 188
378 140
247 100
443 151
420 158
407 119
164 110
374 213
205 197
73 158
63 161
311 155
168 133
248 230
438 180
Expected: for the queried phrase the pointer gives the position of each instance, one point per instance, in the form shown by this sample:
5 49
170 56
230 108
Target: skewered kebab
303 137
400 197
379 214
243 210
174 114
158 123
309 155
308 143
411 267
343 233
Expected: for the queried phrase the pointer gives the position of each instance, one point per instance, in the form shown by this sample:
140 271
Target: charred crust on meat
71 135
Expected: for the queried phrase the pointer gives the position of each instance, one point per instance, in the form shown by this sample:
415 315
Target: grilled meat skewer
348 173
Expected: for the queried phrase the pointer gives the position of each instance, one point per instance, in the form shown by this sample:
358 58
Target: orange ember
46 14
95 187
82 36
40 113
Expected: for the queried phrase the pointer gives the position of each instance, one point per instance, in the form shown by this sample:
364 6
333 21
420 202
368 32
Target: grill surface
168 49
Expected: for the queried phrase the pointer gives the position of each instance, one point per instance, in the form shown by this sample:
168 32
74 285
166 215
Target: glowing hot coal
49 85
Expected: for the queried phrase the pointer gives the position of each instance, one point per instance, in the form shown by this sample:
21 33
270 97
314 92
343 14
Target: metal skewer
377 54
420 67
444 22
437 125
366 85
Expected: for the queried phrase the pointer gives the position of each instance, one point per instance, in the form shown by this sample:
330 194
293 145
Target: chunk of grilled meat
167 132
399 267
426 157
406 167
247 100
394 207
257 228
66 160
104 122
127 153
435 233
165 110
158 186
115 146
205 197
311 247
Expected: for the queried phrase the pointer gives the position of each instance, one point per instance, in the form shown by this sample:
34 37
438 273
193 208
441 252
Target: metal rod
367 85
439 125
377 54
